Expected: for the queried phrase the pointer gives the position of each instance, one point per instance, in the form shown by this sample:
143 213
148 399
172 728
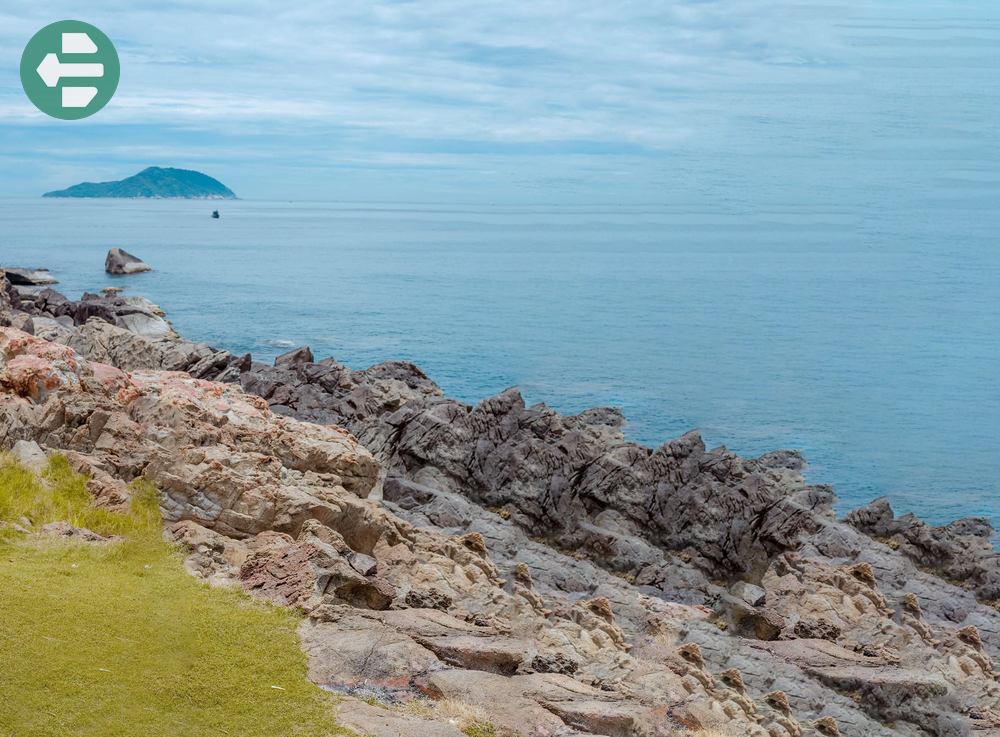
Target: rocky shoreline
536 566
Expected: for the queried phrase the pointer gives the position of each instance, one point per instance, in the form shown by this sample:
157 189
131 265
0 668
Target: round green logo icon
70 70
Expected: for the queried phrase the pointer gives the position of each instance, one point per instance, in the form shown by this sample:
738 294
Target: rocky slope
532 565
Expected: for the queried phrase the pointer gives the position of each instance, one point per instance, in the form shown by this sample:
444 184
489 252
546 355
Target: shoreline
740 560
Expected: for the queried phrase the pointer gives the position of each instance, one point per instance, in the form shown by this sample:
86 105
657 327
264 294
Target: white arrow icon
51 70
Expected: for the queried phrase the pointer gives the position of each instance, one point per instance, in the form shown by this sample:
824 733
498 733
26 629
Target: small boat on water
215 214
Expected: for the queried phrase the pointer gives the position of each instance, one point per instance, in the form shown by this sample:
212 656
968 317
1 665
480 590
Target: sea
866 338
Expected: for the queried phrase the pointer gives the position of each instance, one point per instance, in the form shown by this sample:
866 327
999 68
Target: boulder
30 455
28 277
119 261
295 356
144 324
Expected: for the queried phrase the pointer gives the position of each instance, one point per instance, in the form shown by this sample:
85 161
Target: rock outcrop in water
120 262
537 567
28 277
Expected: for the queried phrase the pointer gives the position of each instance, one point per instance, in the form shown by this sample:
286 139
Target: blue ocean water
869 343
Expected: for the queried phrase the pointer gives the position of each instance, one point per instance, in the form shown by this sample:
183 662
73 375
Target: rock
430 598
750 594
30 455
501 655
608 416
28 277
146 325
875 518
363 564
144 305
380 722
23 323
959 551
508 700
759 623
355 649
15 527
120 261
817 628
545 704
65 529
554 663
295 356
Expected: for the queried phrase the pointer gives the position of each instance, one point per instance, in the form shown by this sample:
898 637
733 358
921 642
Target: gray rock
65 529
30 455
52 330
295 356
752 595
144 324
28 277
23 323
120 262
363 564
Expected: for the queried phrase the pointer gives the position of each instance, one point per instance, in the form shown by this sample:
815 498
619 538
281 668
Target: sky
561 101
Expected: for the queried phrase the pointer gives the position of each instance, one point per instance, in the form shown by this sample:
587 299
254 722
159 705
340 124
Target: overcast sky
440 100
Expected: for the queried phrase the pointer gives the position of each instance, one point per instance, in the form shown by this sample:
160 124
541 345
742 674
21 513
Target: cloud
359 80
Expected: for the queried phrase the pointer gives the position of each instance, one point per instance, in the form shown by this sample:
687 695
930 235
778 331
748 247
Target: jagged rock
120 261
959 551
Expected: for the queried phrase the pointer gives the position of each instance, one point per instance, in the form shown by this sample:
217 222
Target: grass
116 640
61 496
480 729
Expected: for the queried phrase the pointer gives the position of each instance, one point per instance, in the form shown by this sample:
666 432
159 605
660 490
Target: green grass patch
117 640
480 729
60 495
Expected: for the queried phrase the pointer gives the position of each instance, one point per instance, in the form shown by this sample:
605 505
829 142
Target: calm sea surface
872 344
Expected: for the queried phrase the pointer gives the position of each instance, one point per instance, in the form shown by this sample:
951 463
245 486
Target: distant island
154 182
